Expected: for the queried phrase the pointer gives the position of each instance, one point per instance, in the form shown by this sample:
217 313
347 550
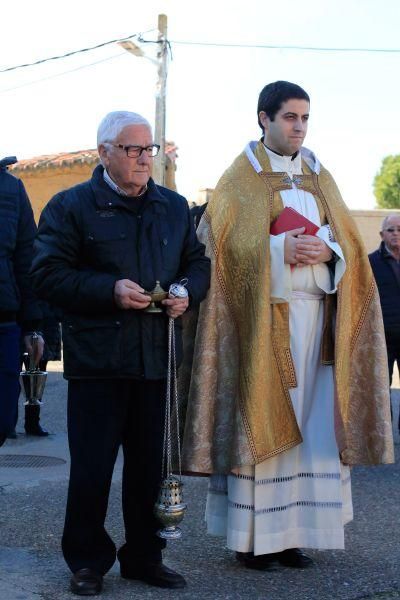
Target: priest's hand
311 250
291 242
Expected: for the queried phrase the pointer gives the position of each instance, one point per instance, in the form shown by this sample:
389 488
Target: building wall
42 184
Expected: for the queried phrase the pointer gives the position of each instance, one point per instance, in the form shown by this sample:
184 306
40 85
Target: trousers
393 352
9 377
102 416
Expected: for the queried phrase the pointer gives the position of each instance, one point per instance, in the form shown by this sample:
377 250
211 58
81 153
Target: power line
282 47
44 60
210 44
28 83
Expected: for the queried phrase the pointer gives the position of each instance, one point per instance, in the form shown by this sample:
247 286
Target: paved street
32 503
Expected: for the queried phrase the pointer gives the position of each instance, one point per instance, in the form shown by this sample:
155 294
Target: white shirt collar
287 164
112 184
307 155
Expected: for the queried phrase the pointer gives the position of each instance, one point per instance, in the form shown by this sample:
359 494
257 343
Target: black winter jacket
17 230
89 237
389 290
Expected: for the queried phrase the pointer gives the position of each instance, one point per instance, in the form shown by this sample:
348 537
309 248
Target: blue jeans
10 336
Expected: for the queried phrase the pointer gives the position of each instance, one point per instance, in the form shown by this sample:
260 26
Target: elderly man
385 263
288 385
100 246
20 311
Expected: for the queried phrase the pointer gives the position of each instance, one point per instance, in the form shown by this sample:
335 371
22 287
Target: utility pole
161 97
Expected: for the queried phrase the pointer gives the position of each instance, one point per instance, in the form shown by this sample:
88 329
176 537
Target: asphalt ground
32 502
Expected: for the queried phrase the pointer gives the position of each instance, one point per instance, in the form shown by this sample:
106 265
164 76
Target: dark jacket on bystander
387 276
90 237
17 231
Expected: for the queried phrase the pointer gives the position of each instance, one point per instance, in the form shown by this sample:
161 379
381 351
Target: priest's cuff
281 281
337 264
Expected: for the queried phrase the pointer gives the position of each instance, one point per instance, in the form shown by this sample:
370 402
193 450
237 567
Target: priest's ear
263 120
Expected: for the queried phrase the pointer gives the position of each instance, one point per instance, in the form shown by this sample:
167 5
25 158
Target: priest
288 384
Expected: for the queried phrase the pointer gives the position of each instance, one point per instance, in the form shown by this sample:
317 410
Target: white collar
112 184
287 164
307 155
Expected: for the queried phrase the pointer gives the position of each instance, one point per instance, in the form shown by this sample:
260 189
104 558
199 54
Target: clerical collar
111 183
292 157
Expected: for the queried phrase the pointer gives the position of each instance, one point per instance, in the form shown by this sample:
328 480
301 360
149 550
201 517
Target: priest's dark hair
273 95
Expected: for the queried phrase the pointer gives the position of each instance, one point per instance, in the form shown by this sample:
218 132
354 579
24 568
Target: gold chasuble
239 409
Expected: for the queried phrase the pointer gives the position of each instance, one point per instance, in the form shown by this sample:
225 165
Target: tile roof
54 161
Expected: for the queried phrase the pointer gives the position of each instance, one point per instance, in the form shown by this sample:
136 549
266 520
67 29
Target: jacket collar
107 199
385 253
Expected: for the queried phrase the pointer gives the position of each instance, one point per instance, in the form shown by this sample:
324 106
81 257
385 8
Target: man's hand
291 242
311 250
175 306
128 294
37 355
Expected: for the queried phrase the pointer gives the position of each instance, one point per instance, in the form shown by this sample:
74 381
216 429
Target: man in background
20 311
385 263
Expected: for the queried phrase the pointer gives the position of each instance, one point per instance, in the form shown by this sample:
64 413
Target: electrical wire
282 47
210 44
73 52
28 83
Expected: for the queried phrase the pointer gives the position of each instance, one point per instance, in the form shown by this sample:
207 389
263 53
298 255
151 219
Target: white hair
114 122
386 219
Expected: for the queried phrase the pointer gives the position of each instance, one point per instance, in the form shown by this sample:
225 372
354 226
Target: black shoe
12 435
86 582
36 430
295 558
262 562
154 573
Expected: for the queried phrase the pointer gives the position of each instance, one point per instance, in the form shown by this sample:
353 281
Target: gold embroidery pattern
257 398
291 377
363 315
327 210
230 305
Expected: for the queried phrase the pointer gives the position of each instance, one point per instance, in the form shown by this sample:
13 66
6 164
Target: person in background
385 263
197 212
20 311
52 351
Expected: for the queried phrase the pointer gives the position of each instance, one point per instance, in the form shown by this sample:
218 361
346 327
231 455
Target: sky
212 90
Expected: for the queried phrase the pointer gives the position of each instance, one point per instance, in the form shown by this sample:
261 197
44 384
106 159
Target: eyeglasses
393 229
136 151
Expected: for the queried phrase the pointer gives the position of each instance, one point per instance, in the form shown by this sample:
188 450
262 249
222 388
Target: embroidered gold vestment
239 410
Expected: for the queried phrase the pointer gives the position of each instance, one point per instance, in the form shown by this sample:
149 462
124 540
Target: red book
291 219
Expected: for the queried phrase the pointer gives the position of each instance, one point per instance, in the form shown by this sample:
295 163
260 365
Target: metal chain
174 371
166 459
166 468
177 290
